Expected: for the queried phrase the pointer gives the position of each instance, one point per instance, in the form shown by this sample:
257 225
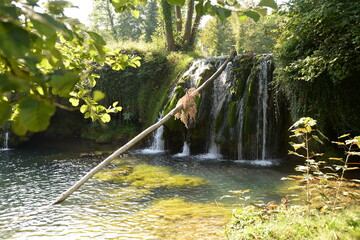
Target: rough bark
166 9
178 19
188 23
139 137
194 31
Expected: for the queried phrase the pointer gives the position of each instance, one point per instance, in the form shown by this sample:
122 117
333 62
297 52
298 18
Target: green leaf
74 101
18 128
105 118
135 13
344 135
297 146
262 11
57 7
98 95
222 13
318 139
97 38
268 3
47 25
242 17
253 15
176 2
34 114
5 111
84 108
63 83
15 41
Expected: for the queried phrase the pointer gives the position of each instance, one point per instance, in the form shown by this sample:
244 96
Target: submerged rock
147 176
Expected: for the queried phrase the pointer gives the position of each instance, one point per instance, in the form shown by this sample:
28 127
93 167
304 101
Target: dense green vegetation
49 61
318 62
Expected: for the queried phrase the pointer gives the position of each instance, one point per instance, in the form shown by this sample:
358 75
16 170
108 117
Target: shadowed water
33 177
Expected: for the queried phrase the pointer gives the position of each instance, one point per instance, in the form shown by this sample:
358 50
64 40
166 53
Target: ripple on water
101 210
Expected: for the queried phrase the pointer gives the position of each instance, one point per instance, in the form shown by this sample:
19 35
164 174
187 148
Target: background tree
46 62
256 37
217 38
150 20
186 17
115 26
319 62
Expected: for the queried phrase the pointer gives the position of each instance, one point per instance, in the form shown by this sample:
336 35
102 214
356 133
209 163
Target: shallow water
33 177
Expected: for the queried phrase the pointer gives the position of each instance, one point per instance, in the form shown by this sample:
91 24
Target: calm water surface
33 177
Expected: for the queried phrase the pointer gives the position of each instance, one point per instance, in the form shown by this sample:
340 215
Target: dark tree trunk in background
188 23
166 9
178 19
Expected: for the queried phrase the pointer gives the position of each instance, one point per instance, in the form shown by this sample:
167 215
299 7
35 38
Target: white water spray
6 141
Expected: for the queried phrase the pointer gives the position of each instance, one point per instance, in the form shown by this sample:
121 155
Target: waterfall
6 141
220 92
157 144
262 103
185 151
235 116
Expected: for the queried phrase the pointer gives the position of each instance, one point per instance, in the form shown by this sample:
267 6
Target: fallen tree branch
140 136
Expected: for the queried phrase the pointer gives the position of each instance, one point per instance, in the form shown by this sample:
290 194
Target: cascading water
235 116
185 151
6 141
262 103
157 144
220 92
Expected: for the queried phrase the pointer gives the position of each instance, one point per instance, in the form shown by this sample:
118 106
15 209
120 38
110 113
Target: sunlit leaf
84 108
336 159
339 143
63 83
98 95
74 101
295 153
344 135
242 17
96 37
353 153
105 118
297 146
35 114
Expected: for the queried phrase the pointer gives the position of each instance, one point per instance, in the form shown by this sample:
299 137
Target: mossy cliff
238 109
140 91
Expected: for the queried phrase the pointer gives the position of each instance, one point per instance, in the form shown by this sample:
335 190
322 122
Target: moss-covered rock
147 176
175 218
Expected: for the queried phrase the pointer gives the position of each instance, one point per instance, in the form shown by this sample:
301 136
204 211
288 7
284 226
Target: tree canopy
46 61
319 61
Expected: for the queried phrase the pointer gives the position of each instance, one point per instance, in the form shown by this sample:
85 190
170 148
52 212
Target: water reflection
32 178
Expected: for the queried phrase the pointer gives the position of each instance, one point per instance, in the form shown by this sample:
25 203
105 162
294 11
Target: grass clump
293 223
149 177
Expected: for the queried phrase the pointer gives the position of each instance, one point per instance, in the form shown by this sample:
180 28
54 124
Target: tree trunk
139 137
194 31
166 9
111 19
178 19
188 24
